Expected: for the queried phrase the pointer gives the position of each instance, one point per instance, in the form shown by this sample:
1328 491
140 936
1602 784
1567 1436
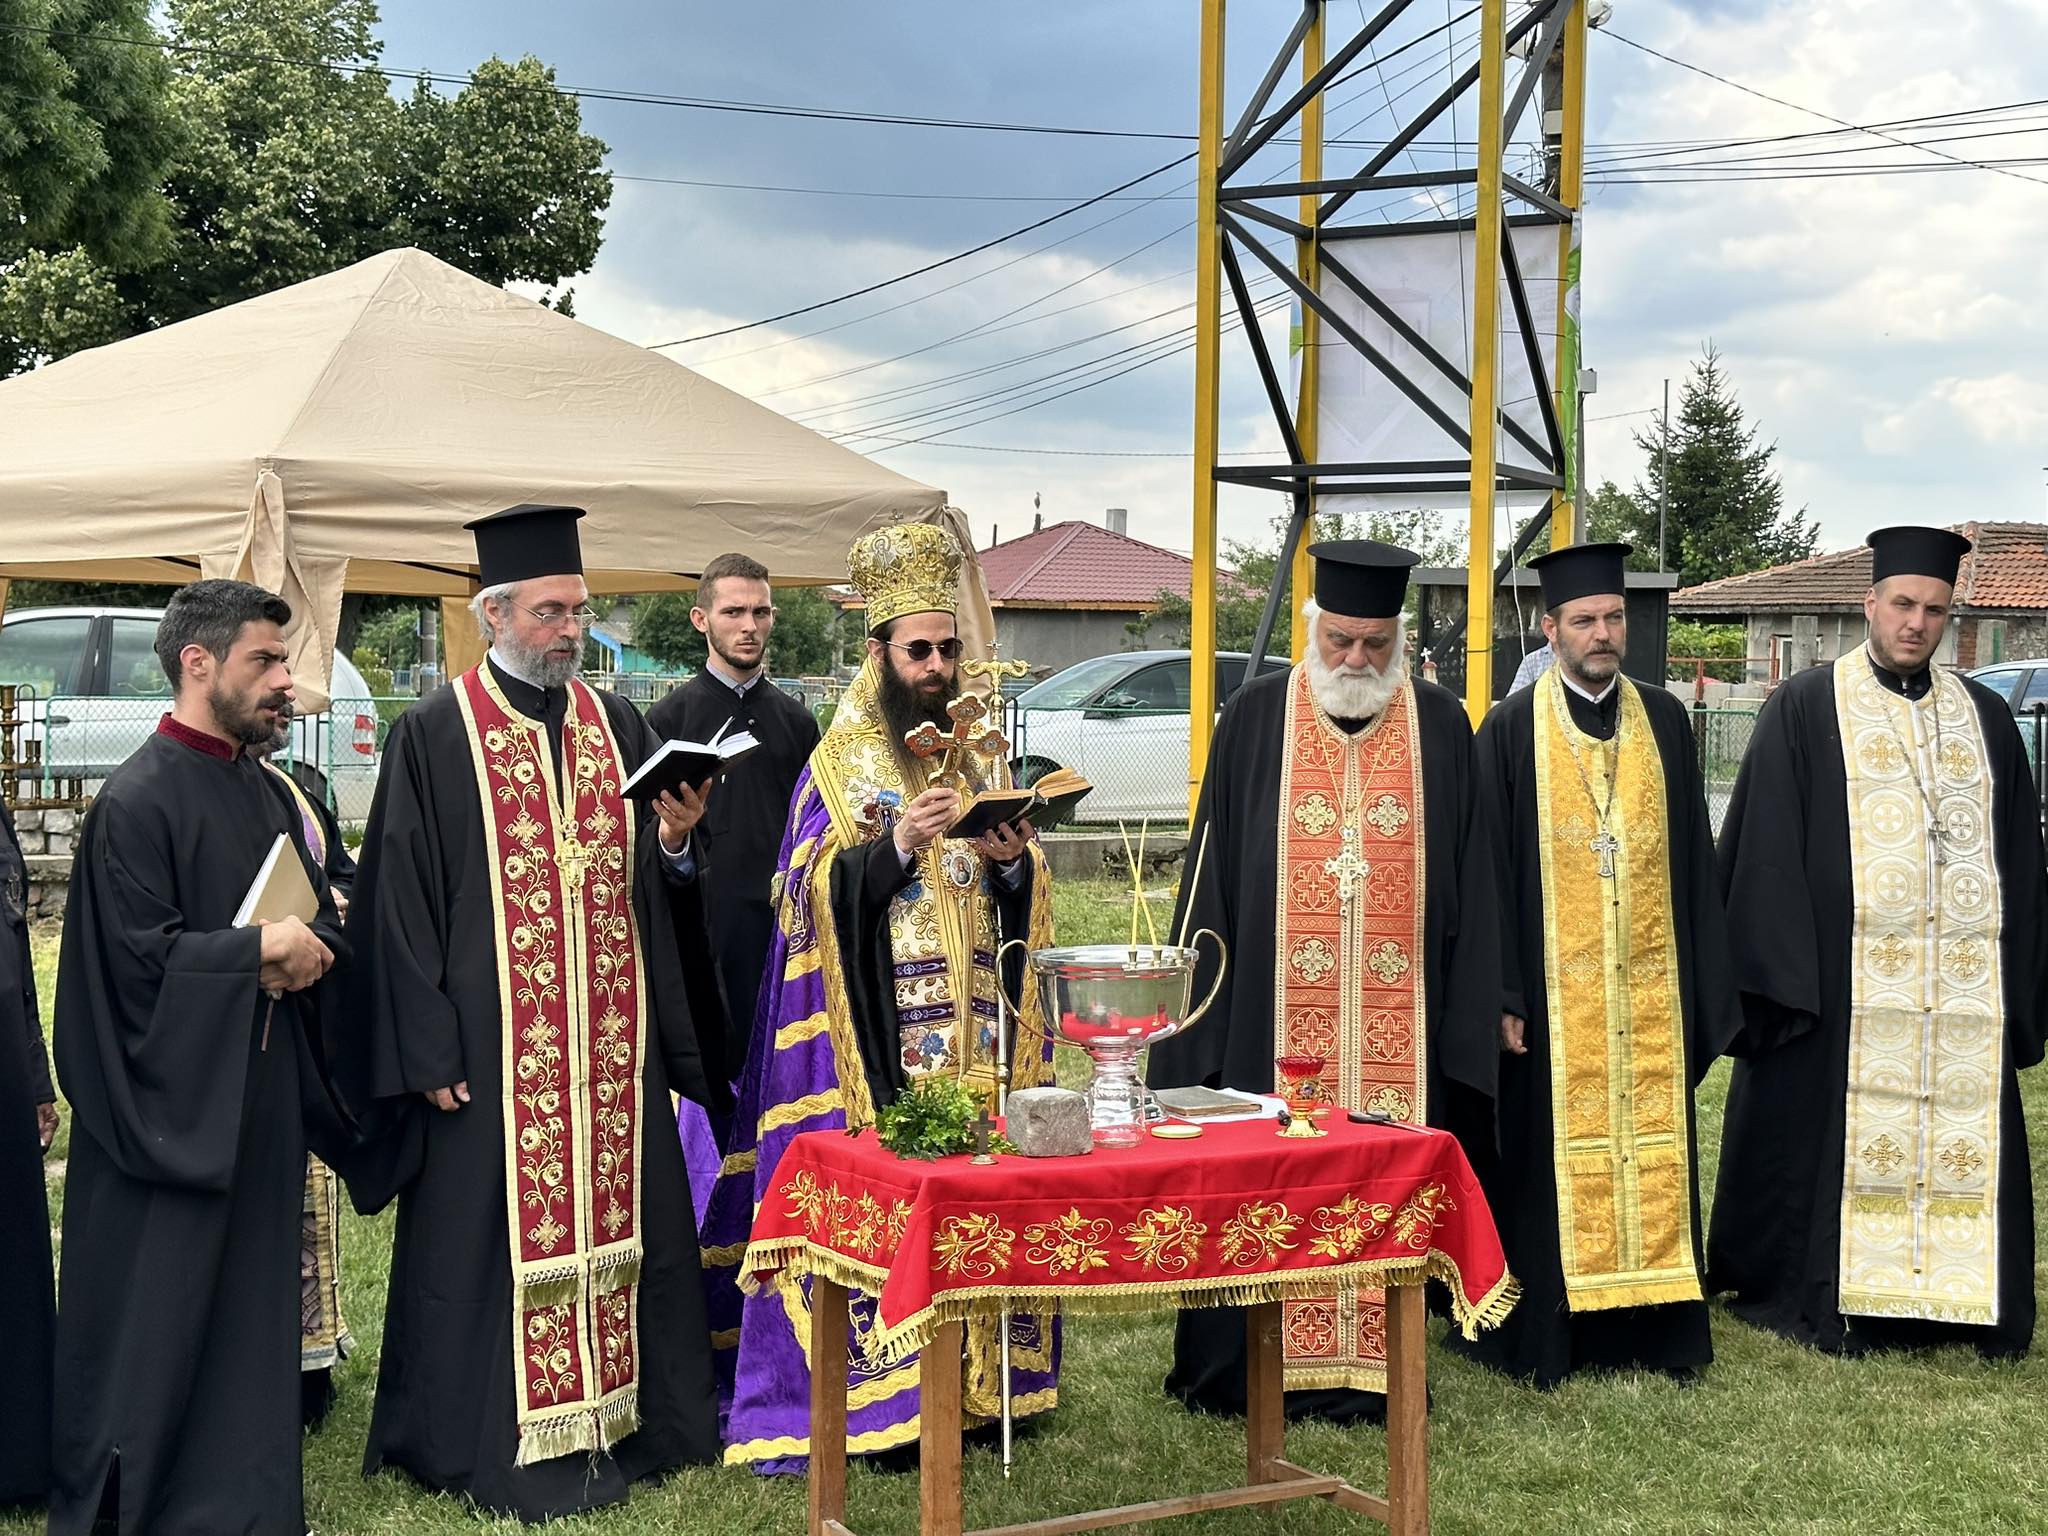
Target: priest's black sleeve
864 880
1502 745
407 1025
1467 1037
153 1021
1714 1012
1773 944
2023 882
1196 1056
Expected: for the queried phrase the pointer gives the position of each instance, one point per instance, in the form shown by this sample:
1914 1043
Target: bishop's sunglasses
921 650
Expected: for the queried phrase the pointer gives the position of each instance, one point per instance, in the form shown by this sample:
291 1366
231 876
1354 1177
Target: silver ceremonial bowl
1112 1000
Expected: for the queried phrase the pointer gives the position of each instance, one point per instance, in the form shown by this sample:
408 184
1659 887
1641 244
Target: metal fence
1721 737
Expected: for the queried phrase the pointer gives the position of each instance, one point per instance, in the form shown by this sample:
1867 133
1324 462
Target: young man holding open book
744 819
183 1044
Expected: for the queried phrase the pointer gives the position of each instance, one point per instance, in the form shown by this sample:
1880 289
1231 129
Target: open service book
1046 804
280 889
676 763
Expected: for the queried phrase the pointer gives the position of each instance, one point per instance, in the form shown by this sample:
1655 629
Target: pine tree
1727 510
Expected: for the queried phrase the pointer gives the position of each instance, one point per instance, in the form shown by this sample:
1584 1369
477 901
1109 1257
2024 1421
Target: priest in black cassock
744 820
1883 869
28 1122
1615 998
186 1048
1336 835
523 996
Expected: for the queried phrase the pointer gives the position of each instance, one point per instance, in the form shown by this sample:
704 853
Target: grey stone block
60 821
1048 1122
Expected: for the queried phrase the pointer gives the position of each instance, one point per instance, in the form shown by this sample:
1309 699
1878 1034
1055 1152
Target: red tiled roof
2007 571
1080 564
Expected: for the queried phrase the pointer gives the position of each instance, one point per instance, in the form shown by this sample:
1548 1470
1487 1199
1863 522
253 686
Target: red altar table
1238 1217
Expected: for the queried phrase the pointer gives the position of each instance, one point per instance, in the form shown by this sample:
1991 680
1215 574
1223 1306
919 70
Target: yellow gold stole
574 1025
1348 971
1926 1051
1619 1091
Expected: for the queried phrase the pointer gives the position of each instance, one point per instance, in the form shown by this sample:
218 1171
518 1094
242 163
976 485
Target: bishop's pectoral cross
1348 867
1607 845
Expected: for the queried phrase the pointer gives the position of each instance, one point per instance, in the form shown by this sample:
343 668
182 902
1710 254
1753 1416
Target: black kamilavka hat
1361 578
1581 570
526 541
1916 551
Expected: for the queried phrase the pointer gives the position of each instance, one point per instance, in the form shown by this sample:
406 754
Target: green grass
1777 1439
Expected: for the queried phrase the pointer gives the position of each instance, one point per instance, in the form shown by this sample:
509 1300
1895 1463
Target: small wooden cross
983 1129
1607 845
1348 867
968 713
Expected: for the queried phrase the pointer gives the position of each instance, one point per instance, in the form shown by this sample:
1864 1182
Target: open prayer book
677 763
1046 804
280 889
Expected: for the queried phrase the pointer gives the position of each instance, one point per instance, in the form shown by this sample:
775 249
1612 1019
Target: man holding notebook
182 1043
745 818
531 997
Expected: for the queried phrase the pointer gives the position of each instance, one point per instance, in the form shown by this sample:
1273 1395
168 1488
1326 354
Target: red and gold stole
575 1019
1348 970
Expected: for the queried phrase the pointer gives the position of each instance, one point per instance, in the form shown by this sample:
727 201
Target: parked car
1121 722
99 691
2022 684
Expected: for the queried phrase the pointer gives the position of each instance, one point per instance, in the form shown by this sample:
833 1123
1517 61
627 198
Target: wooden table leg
938 1407
1407 1412
828 1404
1265 1422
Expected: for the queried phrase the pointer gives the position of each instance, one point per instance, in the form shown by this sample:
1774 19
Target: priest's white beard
1356 693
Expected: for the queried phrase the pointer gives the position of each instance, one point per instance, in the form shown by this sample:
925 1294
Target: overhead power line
1826 117
930 266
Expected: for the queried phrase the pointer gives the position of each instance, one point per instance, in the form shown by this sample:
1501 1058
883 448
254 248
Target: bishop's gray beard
538 664
1348 693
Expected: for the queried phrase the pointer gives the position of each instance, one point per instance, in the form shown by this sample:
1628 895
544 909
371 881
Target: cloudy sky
1884 330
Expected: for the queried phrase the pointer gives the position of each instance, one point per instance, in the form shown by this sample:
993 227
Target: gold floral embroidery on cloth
1348 979
1620 1092
574 1031
324 1339
1920 1171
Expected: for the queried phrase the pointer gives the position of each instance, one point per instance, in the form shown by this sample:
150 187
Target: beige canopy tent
335 436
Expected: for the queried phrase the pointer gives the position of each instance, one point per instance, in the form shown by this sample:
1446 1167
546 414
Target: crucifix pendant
1607 846
1347 867
1940 844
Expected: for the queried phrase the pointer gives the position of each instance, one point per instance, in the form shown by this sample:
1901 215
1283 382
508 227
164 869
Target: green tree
803 645
1726 513
85 134
281 154
1251 567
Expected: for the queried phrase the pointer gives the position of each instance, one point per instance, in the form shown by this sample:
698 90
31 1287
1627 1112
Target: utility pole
1664 476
